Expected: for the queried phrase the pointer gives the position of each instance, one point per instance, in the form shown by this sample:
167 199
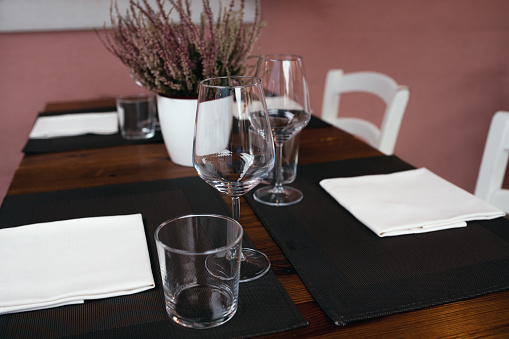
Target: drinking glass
233 147
199 258
137 116
287 100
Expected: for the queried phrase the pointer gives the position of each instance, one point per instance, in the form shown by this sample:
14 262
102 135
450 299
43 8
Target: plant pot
177 118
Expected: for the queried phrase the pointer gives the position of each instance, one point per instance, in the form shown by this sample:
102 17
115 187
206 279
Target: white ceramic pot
177 118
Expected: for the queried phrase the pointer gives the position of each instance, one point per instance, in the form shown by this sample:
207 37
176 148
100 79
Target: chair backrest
494 163
395 97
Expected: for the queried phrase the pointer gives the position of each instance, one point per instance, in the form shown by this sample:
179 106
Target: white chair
494 163
381 85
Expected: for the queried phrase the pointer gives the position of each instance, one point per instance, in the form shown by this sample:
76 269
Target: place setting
101 127
375 236
263 304
132 121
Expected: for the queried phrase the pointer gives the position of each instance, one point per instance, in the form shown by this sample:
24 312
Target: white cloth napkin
66 262
74 124
407 202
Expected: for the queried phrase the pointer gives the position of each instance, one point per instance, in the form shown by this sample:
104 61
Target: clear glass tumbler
137 116
199 257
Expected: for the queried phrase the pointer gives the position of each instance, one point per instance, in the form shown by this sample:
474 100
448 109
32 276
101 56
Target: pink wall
452 54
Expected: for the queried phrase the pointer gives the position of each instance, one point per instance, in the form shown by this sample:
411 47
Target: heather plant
171 57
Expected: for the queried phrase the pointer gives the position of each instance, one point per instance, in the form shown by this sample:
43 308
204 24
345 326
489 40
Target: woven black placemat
264 305
316 122
87 141
354 275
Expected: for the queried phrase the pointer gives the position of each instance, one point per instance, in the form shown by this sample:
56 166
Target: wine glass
233 147
287 99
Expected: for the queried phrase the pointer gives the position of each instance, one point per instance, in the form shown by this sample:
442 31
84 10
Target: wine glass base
254 265
270 196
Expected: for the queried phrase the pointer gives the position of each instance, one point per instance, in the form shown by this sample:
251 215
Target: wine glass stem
236 216
278 165
236 208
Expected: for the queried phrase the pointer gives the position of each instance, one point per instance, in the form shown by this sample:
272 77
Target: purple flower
171 57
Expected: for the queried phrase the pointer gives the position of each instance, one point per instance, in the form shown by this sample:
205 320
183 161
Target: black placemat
87 141
354 275
264 306
316 122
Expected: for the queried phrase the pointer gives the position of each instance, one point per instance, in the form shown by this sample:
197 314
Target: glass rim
281 56
256 81
237 240
130 98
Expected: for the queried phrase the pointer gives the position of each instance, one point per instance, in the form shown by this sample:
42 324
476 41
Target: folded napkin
407 202
66 262
74 124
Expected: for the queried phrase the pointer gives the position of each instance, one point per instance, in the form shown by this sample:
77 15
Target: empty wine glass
287 98
233 147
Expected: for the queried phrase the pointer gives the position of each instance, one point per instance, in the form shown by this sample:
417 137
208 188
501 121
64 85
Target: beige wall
453 54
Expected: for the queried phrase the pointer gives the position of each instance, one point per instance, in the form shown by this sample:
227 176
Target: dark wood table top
485 316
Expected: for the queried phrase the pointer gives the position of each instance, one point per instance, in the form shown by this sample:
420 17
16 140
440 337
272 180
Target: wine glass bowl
287 101
233 149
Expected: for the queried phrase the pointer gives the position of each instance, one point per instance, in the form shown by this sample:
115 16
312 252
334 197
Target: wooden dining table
485 316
